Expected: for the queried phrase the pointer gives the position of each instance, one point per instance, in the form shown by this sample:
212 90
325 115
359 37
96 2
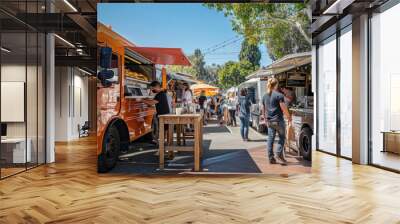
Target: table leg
170 139
183 134
161 143
170 134
384 142
201 138
197 145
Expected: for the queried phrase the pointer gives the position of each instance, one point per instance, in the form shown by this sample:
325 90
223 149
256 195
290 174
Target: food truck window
251 91
138 71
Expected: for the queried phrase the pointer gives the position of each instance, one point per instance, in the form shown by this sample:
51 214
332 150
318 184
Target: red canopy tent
163 56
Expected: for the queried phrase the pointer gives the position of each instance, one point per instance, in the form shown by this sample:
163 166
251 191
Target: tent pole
164 77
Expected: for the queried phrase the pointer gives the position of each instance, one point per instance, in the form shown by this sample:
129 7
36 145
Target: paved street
224 152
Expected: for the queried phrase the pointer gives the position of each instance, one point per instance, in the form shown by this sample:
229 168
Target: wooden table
391 141
183 119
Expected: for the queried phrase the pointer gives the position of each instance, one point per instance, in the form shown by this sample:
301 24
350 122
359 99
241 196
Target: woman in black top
274 108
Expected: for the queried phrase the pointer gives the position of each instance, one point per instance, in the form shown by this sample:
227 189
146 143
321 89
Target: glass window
15 150
346 93
22 88
385 89
327 95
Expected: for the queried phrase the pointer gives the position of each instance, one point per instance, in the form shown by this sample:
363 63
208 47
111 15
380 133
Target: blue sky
187 26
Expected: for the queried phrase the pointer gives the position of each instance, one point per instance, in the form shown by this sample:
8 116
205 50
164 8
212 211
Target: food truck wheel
305 143
111 145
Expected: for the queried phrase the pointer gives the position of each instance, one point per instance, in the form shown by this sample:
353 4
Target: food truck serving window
137 71
137 77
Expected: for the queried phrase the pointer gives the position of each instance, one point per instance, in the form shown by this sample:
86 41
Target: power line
222 46
223 42
228 53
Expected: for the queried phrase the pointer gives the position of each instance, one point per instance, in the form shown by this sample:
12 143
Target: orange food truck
125 107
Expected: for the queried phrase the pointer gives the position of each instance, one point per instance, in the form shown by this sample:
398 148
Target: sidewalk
257 150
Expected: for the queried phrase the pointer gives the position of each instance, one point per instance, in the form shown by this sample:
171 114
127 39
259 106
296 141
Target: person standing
202 101
232 104
220 109
171 95
212 107
187 94
290 95
274 107
162 105
244 114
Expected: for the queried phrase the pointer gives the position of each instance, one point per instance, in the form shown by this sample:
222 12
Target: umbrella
208 89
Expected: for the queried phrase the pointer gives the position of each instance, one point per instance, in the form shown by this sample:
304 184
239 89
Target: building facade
357 80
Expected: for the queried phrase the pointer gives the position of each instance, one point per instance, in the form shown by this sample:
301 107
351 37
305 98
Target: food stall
208 89
177 80
125 108
294 74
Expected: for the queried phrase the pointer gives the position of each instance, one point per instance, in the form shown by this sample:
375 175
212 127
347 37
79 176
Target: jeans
273 128
232 116
244 127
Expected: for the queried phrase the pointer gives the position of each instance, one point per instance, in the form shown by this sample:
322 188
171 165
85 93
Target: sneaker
282 158
272 161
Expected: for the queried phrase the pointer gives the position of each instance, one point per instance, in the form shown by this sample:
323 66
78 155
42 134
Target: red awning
163 56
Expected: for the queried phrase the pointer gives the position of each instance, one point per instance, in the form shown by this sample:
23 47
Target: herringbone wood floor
70 191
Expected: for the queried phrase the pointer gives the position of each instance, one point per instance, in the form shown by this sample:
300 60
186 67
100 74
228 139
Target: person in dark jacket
244 114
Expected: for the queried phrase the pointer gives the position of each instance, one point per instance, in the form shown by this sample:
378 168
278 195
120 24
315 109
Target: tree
198 63
233 73
199 69
188 70
282 27
212 74
250 52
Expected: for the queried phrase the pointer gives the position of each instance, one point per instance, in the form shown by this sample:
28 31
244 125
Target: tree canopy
198 69
282 27
234 73
250 52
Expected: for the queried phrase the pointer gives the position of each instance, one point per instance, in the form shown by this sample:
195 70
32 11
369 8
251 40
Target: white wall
71 102
16 73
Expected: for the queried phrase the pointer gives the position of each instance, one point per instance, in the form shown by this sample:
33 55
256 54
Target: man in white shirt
187 95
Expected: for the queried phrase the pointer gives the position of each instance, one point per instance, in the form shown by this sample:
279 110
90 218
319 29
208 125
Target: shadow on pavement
144 160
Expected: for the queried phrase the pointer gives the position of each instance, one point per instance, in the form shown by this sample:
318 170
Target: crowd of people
225 109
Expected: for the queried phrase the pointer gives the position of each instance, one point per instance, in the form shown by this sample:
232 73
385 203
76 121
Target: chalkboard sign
295 79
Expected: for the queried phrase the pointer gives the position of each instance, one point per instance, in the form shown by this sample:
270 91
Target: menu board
296 79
